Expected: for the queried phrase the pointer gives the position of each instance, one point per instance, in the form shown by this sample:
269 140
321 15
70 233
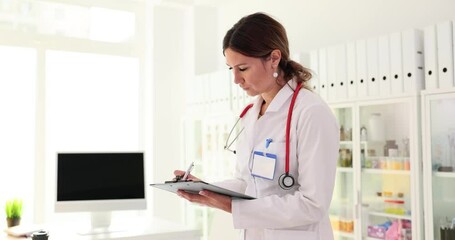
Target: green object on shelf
368 163
396 211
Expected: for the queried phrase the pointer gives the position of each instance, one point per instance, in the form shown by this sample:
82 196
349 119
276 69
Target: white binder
323 90
352 70
331 73
361 60
431 57
314 67
384 66
396 65
372 67
341 85
413 78
445 54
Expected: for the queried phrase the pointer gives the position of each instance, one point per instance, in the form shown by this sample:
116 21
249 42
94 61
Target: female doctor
287 151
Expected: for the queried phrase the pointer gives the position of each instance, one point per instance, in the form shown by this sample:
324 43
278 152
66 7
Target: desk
154 229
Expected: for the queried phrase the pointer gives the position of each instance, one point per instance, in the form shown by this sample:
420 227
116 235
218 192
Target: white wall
206 44
172 64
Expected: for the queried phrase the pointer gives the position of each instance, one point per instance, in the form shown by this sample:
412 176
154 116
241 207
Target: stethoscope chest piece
286 181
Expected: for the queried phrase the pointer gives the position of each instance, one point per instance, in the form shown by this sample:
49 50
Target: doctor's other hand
208 198
181 173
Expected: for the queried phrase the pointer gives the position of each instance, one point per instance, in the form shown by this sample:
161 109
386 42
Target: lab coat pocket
274 234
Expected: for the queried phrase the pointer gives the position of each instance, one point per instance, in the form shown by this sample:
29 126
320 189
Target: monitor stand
101 224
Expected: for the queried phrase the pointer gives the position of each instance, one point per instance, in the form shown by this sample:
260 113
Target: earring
275 74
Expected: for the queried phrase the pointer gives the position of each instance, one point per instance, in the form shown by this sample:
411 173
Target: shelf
388 215
345 169
444 174
385 171
343 234
345 142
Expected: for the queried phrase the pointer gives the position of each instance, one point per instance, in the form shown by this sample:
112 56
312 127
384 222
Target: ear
275 56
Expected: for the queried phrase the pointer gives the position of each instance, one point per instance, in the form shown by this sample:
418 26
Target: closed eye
239 68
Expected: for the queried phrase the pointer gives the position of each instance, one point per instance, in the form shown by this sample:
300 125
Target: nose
237 77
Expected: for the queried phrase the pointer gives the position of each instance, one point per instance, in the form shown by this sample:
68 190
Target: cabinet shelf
343 234
345 142
444 174
345 169
388 215
385 171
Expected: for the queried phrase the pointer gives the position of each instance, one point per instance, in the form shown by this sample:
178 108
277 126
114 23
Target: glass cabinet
342 208
377 189
389 179
438 118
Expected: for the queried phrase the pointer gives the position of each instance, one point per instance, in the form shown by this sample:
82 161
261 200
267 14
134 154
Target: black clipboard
196 187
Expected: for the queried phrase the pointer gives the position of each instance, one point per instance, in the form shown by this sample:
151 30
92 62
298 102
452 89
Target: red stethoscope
286 180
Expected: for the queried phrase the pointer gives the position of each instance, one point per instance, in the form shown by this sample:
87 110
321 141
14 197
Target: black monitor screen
100 176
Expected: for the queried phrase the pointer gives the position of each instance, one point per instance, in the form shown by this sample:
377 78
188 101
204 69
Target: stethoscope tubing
288 126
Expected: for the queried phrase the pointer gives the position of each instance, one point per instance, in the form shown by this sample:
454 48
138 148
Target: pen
267 142
188 171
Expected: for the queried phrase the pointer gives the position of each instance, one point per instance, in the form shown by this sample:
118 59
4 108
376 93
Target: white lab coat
301 212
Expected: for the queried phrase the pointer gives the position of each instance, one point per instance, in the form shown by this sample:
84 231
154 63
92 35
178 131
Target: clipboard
197 186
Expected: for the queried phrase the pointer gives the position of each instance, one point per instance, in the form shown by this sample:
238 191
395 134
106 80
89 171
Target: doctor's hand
181 173
208 198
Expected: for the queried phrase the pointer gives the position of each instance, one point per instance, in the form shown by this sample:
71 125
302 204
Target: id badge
263 165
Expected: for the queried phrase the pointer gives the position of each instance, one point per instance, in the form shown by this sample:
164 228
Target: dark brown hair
257 35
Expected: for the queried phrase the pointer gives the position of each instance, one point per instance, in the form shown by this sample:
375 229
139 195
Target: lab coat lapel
282 97
252 116
250 120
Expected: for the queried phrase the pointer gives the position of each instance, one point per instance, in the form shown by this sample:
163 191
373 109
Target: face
253 75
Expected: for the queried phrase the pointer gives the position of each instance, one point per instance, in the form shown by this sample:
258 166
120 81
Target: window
70 80
74 21
17 125
92 104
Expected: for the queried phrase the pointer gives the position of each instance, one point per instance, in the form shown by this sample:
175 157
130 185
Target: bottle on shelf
342 133
362 158
345 157
405 148
346 220
376 128
349 134
390 144
393 206
406 164
379 202
363 134
446 228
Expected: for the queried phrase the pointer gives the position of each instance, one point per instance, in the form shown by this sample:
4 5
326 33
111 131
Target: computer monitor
100 183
